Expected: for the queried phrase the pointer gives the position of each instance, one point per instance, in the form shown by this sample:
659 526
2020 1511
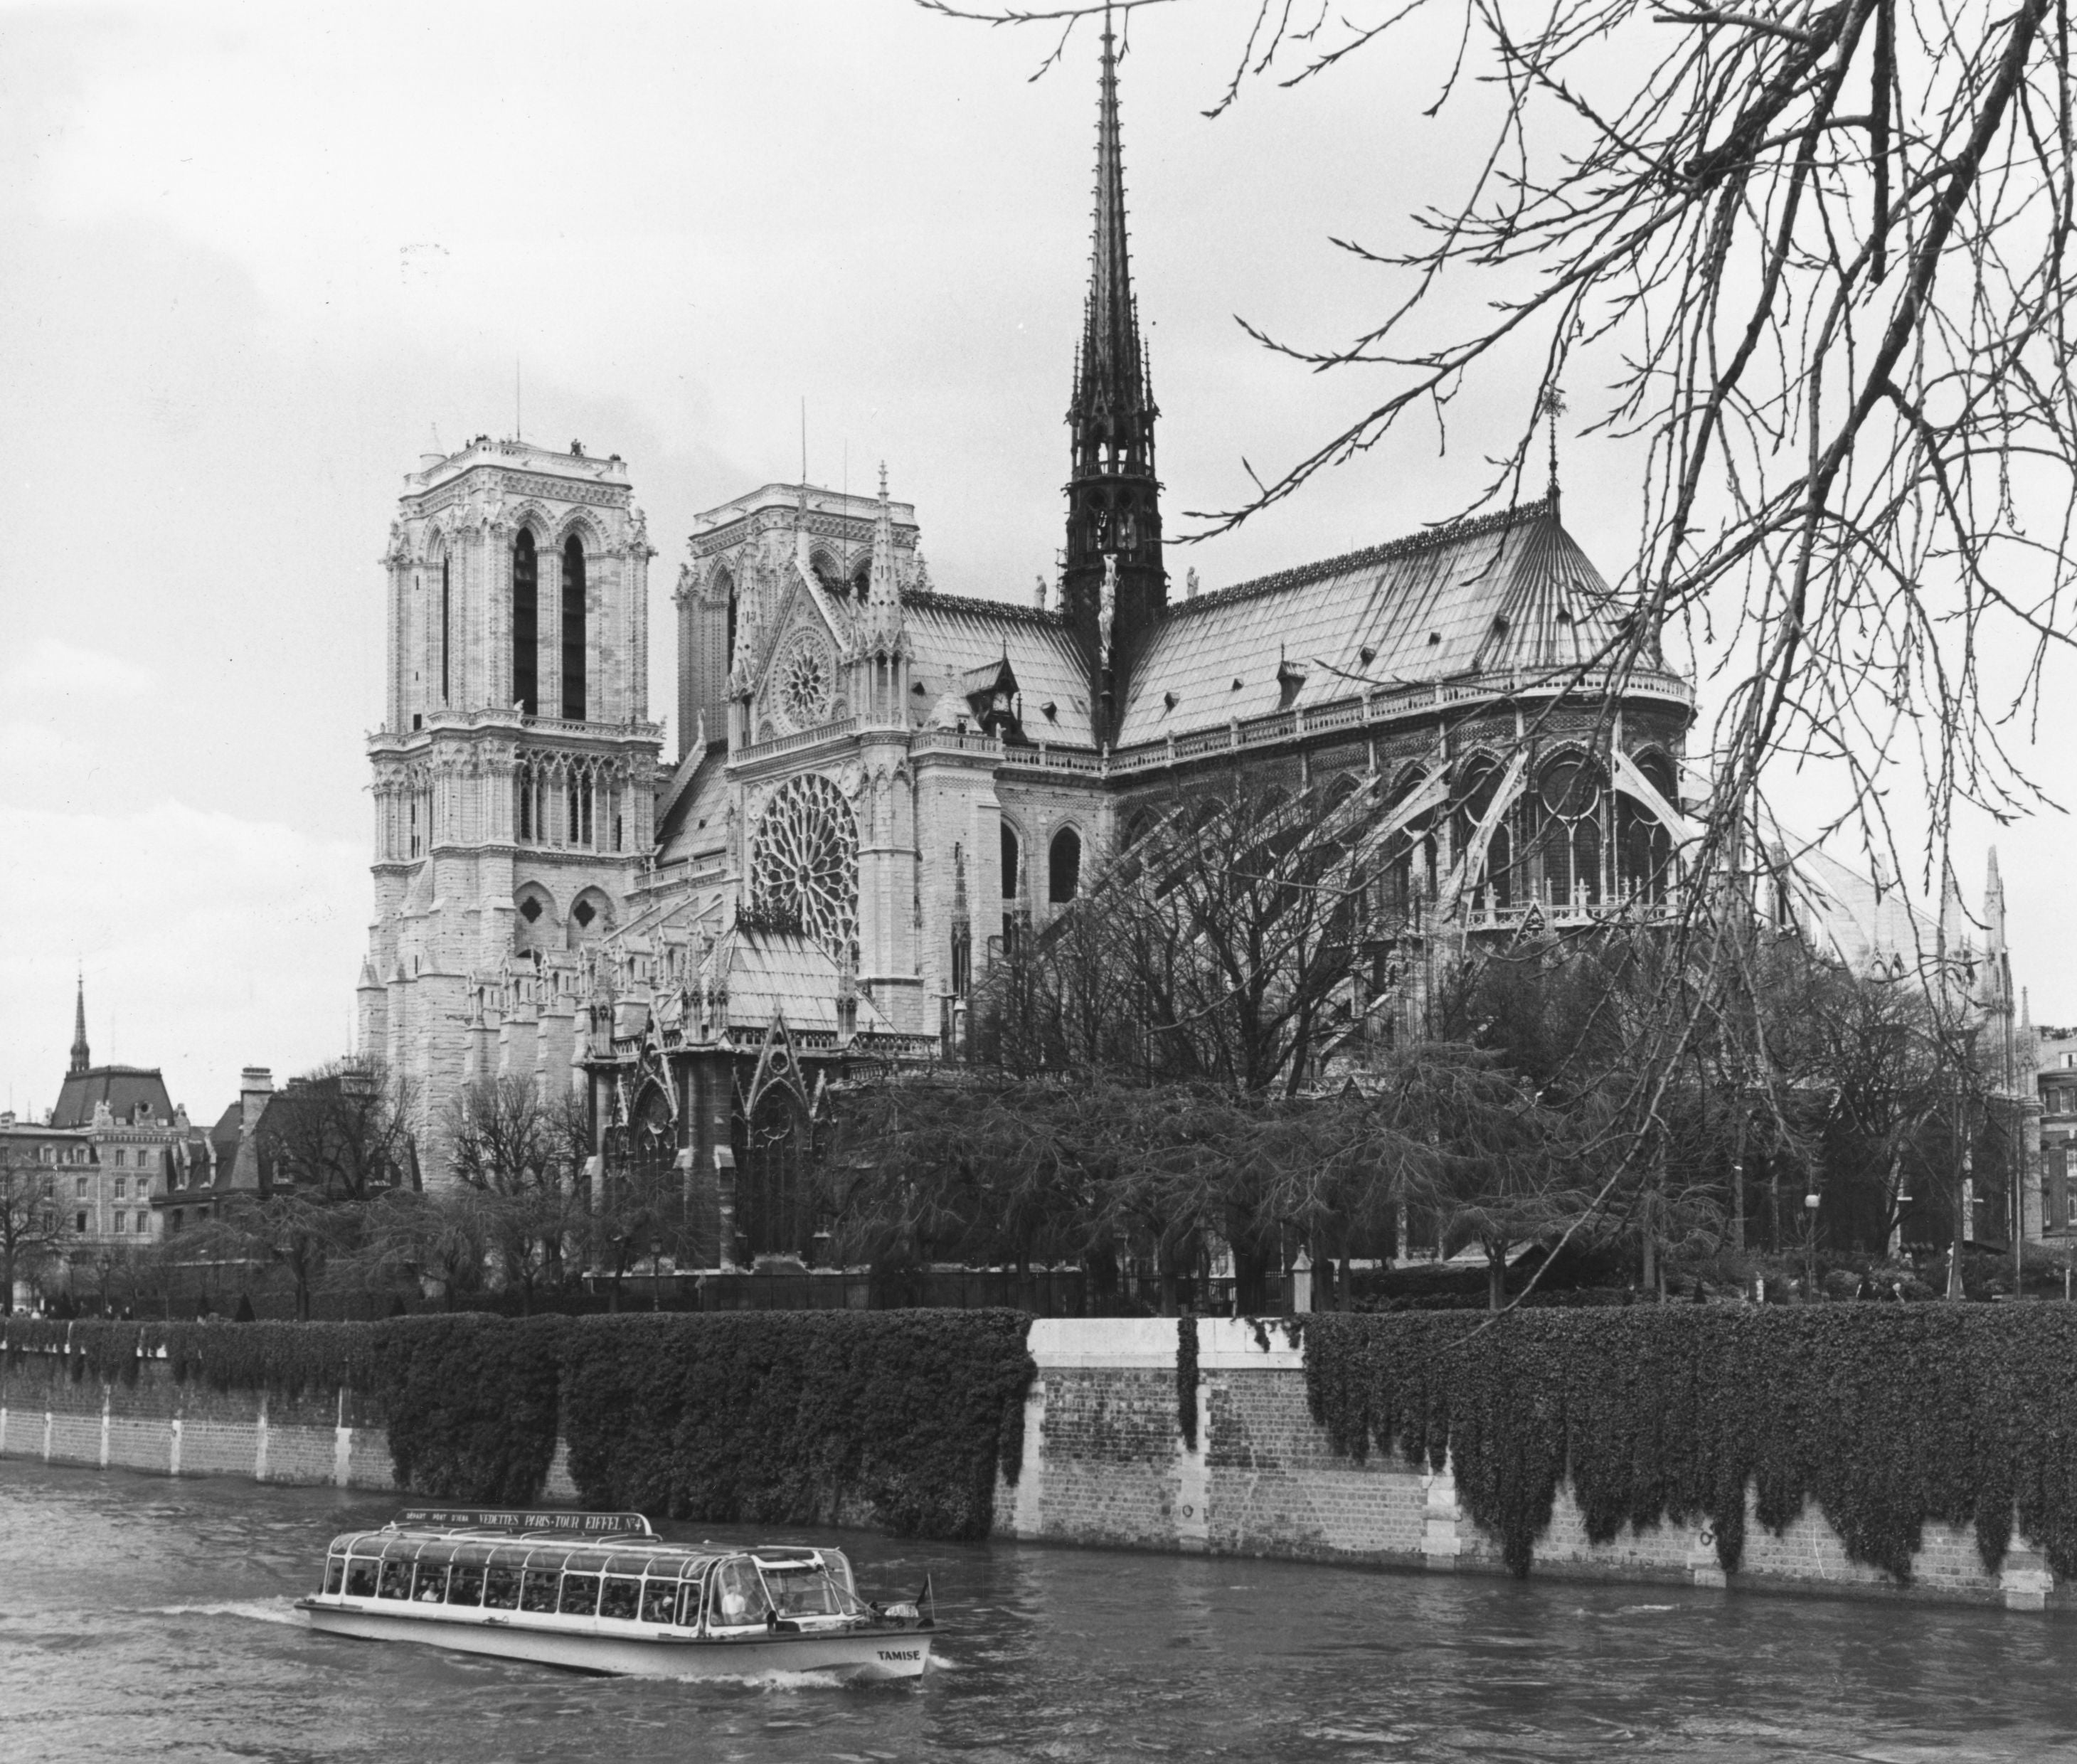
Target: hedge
767 1417
1887 1417
789 1417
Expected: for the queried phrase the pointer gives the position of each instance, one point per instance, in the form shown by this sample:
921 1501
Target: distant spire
81 1058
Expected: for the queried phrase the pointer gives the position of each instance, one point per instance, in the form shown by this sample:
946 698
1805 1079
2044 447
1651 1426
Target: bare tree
520 1156
33 1231
339 1134
1814 258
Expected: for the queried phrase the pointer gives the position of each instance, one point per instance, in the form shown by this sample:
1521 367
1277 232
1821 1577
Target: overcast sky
257 254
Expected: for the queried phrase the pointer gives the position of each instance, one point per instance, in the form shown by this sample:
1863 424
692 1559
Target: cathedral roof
951 636
769 973
1506 593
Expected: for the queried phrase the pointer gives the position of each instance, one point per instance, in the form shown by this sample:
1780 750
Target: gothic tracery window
1568 842
804 861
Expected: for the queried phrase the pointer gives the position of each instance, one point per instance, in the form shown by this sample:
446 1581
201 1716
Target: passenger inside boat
620 1598
739 1598
465 1586
539 1589
660 1601
501 1589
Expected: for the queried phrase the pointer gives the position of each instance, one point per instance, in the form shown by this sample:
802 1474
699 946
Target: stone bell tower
514 772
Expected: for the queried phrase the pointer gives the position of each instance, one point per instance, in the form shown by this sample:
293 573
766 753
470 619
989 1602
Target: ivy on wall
1886 1417
1186 1379
786 1417
473 1404
776 1416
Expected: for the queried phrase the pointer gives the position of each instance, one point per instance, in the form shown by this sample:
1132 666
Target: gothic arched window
1496 877
573 629
1644 848
1568 838
1010 889
526 624
447 634
1063 867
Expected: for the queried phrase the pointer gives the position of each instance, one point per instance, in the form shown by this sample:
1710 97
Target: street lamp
1810 1240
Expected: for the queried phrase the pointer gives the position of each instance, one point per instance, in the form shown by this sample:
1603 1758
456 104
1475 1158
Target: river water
142 1617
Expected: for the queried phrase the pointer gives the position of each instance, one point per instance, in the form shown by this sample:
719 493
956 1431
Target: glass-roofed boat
601 1592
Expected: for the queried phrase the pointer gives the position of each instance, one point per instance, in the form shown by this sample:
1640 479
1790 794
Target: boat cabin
608 1568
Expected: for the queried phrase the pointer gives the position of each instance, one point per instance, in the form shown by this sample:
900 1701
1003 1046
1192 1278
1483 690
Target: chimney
255 1084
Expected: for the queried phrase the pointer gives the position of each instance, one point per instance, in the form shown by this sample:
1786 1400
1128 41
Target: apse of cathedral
880 784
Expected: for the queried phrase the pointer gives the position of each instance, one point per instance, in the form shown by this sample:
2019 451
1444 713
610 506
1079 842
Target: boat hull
859 1655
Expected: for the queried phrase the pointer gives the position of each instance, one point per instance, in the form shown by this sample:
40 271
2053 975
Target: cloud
209 942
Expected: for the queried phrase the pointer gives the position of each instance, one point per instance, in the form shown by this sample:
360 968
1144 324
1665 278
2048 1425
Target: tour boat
601 1592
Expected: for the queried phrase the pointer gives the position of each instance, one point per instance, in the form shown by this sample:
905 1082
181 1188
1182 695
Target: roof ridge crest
1473 526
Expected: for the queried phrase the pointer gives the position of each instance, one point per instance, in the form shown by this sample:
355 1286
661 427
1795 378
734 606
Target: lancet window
573 629
526 624
1063 867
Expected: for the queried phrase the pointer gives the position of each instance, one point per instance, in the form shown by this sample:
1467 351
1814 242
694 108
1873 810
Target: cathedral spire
1111 376
1113 497
81 1057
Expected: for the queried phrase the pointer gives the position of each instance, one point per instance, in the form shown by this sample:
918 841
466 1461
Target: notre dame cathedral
879 782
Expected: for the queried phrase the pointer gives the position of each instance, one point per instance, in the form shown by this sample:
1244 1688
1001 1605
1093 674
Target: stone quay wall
190 1430
1104 1463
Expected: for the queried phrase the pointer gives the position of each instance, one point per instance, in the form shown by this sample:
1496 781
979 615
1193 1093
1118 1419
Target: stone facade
514 772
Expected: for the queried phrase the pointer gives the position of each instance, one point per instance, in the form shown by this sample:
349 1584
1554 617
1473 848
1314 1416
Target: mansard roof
951 636
1502 594
122 1087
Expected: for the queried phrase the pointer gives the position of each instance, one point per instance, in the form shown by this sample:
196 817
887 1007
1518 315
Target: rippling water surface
141 1618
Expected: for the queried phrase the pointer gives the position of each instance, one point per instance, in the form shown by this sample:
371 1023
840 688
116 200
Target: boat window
802 1591
501 1589
838 1565
335 1572
660 1600
395 1580
430 1585
539 1594
465 1586
689 1605
620 1598
360 1575
739 1598
579 1594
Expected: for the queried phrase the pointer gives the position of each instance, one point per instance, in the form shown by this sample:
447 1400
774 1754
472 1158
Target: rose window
803 861
805 684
